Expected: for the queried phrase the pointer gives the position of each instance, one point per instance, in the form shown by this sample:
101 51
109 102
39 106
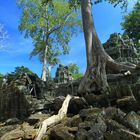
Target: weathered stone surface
113 125
63 74
24 131
74 121
13 104
134 120
95 128
121 48
57 103
38 105
127 103
121 134
76 104
6 129
110 112
61 132
37 117
12 121
97 100
91 112
81 134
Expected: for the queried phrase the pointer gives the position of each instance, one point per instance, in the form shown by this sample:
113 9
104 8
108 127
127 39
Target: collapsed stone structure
63 74
121 48
14 92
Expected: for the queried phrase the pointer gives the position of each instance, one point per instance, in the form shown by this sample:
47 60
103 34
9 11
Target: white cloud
21 46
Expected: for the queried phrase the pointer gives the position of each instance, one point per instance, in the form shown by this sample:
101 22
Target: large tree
52 56
50 25
97 58
131 23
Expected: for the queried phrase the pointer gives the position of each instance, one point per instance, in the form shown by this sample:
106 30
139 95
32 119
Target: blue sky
17 49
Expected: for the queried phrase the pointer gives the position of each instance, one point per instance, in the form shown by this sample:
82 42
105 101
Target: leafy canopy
51 22
131 23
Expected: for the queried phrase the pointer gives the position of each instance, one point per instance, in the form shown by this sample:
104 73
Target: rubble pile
86 123
122 49
14 95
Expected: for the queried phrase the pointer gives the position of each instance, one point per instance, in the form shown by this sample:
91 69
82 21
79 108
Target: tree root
54 119
118 67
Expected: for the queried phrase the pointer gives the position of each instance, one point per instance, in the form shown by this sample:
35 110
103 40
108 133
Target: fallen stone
37 117
7 129
76 104
81 135
91 112
12 121
134 121
63 132
95 128
113 125
121 134
97 100
25 131
127 103
74 121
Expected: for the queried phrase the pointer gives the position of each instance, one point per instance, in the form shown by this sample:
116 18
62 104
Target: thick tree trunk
95 77
49 72
44 70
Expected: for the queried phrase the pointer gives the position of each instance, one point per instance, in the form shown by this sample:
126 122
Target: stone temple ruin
63 74
121 48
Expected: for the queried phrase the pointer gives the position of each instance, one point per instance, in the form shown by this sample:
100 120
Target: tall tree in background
97 58
131 23
52 55
51 26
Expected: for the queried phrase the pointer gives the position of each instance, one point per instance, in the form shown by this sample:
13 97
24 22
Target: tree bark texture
95 77
44 71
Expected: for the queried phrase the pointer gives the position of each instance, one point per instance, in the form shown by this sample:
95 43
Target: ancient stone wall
63 74
121 48
13 103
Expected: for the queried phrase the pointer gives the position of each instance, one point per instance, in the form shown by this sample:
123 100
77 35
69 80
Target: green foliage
22 69
50 23
74 70
121 3
131 23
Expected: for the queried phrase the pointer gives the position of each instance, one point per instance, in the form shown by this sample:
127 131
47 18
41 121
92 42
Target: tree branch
57 27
